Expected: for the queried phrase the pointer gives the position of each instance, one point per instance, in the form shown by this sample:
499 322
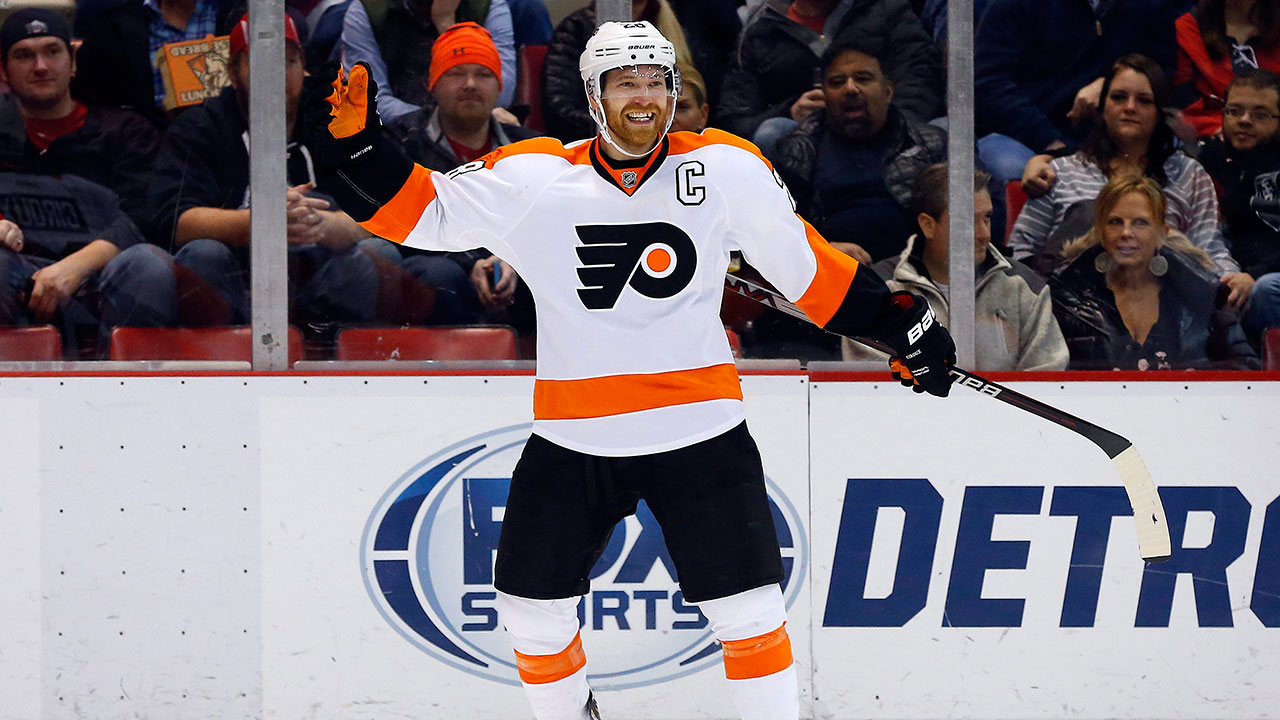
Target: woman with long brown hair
1132 137
1217 40
1137 296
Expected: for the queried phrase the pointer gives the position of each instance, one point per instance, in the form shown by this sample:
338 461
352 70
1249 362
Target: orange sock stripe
758 656
542 669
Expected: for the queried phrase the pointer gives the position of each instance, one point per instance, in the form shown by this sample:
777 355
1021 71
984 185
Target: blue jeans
1264 304
1003 157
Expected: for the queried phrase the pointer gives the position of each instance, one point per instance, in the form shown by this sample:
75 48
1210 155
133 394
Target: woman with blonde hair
1136 295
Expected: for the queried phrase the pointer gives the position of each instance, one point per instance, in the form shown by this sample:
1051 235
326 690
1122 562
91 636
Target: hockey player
624 240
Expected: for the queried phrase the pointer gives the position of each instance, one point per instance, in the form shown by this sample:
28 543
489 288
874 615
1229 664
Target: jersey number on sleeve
655 259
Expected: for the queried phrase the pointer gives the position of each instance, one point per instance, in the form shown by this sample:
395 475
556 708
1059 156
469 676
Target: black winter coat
564 100
1207 336
777 61
113 65
1249 195
114 148
204 162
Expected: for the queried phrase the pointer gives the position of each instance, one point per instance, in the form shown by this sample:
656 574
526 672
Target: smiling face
1131 235
636 105
1251 116
857 95
1129 109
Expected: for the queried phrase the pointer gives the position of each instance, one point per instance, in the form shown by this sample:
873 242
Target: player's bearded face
636 106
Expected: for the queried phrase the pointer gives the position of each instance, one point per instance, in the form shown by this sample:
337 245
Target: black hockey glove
343 131
922 351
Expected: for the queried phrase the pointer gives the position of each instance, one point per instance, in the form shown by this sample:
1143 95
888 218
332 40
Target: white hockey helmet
626 44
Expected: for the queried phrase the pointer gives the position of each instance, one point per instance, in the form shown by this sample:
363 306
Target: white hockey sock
549 656
772 697
757 652
564 699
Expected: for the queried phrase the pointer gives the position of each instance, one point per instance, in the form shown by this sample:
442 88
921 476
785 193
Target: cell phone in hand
497 274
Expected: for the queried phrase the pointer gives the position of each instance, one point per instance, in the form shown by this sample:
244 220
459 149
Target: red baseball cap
240 34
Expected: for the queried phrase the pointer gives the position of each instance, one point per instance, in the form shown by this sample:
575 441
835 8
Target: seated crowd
1145 133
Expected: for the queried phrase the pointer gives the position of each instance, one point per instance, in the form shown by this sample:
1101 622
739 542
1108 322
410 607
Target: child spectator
1014 320
395 37
692 108
1245 163
113 148
1216 41
1133 138
772 84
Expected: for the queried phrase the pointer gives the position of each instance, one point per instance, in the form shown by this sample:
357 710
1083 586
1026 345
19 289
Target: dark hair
1210 15
1099 148
929 192
1256 78
868 45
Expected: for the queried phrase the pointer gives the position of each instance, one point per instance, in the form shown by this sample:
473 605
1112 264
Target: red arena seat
529 84
212 343
735 342
38 343
1014 199
428 343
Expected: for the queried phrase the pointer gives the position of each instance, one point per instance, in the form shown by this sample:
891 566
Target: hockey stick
1148 511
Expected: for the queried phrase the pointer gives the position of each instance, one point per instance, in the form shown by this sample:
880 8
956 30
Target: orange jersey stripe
685 142
408 204
577 155
830 283
758 656
617 394
542 669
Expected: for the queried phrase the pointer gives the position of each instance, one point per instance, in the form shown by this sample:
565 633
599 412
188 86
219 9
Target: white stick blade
1148 511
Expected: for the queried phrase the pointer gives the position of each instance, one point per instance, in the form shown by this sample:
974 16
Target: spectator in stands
113 148
692 109
1039 67
1135 138
200 196
69 256
1216 41
564 98
851 164
395 38
1245 163
773 79
1014 325
933 14
116 63
323 20
464 83
712 28
1139 296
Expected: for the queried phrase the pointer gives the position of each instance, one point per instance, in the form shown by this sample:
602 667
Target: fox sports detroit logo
428 552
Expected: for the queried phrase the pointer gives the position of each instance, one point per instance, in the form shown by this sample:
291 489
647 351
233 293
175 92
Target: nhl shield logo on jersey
629 179
427 561
655 259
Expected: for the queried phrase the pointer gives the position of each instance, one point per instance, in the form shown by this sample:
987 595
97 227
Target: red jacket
1209 77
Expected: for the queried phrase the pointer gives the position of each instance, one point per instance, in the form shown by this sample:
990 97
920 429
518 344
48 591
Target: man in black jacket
113 148
1245 164
465 78
200 200
772 81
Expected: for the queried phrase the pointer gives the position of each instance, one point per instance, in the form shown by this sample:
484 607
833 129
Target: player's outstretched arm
362 169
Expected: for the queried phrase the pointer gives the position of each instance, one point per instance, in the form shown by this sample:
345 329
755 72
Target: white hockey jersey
627 271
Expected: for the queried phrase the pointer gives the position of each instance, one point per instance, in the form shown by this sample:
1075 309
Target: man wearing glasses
1245 164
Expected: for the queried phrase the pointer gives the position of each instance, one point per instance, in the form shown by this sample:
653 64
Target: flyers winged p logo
655 259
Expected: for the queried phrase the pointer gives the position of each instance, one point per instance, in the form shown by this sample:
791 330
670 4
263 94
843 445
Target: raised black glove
344 134
922 350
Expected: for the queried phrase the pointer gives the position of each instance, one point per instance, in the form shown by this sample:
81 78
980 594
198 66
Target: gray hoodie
1015 329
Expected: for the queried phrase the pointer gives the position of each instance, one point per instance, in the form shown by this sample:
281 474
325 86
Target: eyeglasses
1258 114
